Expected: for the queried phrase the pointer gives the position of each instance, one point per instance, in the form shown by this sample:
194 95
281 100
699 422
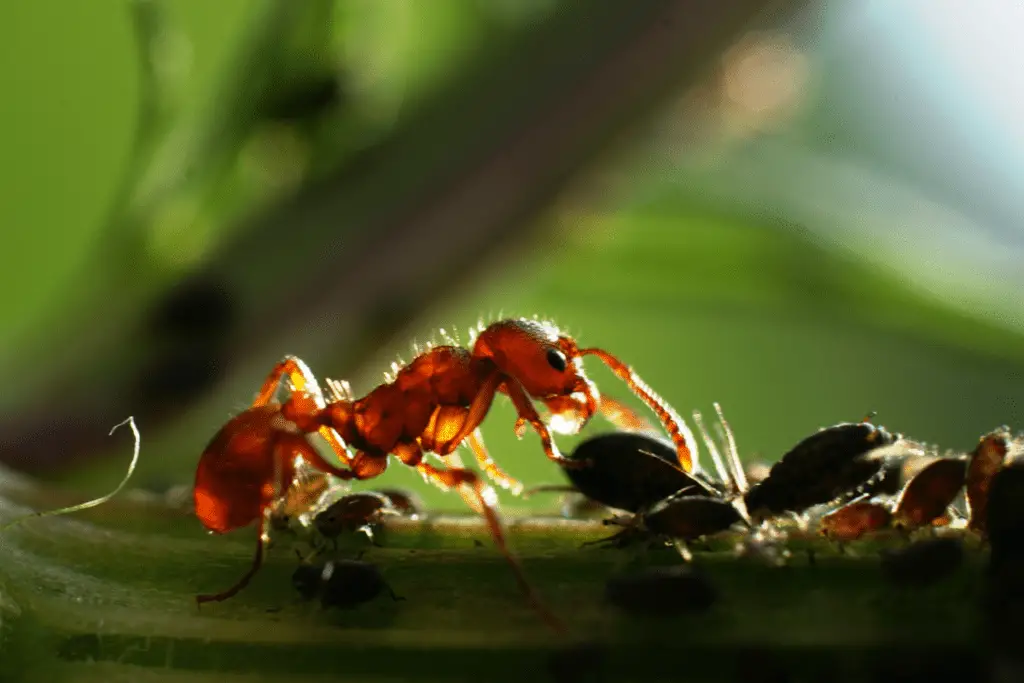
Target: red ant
431 405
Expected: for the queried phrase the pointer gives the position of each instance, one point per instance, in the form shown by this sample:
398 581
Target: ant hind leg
257 562
456 478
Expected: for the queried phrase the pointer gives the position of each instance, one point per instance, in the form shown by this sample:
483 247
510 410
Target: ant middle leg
622 416
491 468
452 478
307 398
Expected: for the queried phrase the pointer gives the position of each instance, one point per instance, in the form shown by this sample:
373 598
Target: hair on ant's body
432 404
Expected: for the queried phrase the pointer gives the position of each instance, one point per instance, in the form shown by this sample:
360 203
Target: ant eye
556 359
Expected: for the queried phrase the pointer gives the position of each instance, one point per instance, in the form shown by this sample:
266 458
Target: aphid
1006 517
627 471
986 460
823 467
929 494
855 519
356 512
341 583
923 562
696 510
687 518
95 501
661 591
405 503
432 405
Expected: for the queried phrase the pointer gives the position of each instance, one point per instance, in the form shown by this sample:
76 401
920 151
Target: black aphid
824 467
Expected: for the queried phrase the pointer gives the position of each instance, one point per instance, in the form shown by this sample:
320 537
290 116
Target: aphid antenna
716 457
95 501
660 505
725 435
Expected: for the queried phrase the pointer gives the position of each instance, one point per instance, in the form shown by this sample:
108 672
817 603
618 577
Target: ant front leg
682 437
528 415
456 478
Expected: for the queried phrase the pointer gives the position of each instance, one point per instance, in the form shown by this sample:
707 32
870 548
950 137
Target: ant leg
528 414
298 445
475 414
450 478
257 562
686 445
303 381
622 416
490 468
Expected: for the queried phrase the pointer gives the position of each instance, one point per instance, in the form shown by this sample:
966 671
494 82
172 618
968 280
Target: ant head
548 366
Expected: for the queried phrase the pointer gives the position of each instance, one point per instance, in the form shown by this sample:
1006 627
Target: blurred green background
777 235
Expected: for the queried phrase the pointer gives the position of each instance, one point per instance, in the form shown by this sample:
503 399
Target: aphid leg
684 552
622 416
491 468
528 415
367 531
686 445
550 488
453 478
391 592
257 562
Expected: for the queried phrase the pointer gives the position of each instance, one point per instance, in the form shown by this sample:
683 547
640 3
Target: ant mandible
431 405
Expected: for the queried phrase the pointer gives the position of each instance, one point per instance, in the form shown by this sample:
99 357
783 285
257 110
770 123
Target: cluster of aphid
261 466
845 481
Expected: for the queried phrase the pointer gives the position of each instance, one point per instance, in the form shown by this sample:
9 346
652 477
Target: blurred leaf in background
817 231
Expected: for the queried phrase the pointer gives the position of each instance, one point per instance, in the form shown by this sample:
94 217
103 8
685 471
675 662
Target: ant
432 405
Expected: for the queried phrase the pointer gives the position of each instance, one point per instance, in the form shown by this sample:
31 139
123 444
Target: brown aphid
687 518
928 495
354 512
405 503
662 591
986 460
852 521
923 562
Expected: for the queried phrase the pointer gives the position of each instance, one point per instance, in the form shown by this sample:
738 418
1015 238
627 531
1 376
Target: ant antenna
872 414
725 434
716 457
96 501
